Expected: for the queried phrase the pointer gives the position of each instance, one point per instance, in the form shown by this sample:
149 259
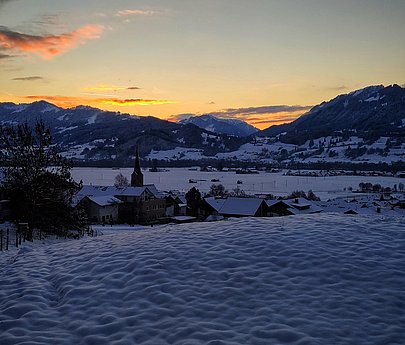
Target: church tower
137 176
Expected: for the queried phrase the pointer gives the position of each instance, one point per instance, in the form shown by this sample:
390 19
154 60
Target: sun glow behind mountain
265 63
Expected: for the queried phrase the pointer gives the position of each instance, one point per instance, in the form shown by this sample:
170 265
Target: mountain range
219 125
86 133
374 111
89 134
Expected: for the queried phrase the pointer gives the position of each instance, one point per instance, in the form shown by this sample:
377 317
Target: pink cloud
48 46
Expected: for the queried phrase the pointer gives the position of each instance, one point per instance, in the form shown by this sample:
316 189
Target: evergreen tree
38 180
193 197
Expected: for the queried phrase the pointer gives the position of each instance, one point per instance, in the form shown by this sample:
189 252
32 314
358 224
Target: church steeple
137 176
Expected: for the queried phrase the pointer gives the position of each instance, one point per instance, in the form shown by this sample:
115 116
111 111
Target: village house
141 205
134 204
101 209
302 206
234 207
278 208
256 207
176 205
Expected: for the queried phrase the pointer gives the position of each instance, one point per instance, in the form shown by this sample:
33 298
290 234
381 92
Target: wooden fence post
1 240
16 238
7 238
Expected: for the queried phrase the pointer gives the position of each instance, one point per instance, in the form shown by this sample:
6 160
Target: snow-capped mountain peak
212 123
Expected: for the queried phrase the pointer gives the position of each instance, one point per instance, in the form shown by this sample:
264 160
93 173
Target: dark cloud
338 88
3 2
5 56
283 119
268 109
133 88
180 117
247 113
31 78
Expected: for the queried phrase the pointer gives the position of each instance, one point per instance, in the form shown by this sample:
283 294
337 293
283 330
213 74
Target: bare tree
121 181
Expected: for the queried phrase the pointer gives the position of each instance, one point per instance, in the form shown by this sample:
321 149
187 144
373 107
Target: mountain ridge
87 133
376 109
215 124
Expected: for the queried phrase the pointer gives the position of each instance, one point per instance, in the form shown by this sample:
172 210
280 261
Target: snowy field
321 279
274 183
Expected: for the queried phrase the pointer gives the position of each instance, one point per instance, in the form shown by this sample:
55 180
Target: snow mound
323 279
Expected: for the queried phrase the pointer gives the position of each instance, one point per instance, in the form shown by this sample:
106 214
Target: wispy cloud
47 46
72 101
135 13
108 87
135 101
247 113
31 78
104 87
256 116
268 109
338 88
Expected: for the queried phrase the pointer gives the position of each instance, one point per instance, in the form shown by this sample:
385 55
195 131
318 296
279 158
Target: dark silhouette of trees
193 197
37 180
217 190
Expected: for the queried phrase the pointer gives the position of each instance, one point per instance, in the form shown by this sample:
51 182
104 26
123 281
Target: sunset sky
263 61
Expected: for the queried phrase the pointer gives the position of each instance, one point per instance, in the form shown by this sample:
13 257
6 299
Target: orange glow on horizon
128 102
73 101
261 121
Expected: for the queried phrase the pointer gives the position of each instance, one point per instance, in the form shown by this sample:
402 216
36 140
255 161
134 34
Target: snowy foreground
320 279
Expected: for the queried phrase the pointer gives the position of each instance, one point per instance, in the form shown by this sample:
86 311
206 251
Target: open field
274 183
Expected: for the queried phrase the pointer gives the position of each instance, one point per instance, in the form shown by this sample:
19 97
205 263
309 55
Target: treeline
223 163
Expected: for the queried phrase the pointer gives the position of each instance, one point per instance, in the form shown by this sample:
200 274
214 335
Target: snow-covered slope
218 125
372 111
87 133
298 280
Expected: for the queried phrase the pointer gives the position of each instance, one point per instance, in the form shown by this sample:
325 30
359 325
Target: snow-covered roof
104 200
272 202
303 206
152 188
132 191
96 191
241 206
182 198
215 203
